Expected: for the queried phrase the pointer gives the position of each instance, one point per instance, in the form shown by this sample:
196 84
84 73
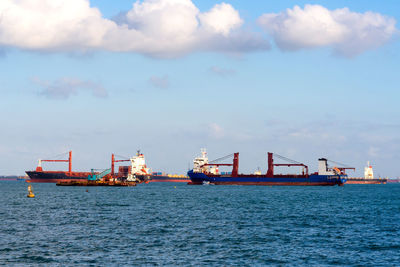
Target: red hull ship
368 177
56 176
366 181
159 177
41 176
167 179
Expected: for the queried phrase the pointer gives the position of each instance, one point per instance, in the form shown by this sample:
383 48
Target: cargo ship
137 171
41 176
368 177
205 172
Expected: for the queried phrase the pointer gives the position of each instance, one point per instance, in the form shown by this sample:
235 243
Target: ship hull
162 178
365 181
281 180
96 183
168 179
56 176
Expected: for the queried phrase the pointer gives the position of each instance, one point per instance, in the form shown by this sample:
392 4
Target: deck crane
113 161
97 176
271 164
235 163
342 167
69 160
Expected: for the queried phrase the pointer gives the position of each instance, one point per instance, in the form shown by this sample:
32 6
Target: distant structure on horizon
13 178
368 177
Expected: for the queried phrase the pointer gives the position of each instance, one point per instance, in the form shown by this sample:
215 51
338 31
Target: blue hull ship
205 172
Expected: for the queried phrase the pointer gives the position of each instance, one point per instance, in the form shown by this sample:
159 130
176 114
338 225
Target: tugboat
205 172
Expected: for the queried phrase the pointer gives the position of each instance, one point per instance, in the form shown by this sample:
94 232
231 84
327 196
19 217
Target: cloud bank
172 28
160 28
348 33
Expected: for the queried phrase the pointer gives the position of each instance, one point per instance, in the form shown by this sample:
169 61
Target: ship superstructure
138 169
368 172
138 164
201 164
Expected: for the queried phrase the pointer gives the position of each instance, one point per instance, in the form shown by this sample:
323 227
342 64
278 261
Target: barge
96 183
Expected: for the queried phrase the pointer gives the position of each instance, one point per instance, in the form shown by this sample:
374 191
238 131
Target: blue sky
241 84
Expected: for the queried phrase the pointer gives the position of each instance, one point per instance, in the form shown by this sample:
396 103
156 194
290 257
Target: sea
167 224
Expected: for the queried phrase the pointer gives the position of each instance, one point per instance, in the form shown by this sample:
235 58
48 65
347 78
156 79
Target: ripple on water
157 224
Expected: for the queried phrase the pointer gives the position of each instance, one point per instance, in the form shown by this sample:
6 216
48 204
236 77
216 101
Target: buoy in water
174 186
30 192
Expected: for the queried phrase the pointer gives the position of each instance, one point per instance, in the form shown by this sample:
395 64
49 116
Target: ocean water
165 224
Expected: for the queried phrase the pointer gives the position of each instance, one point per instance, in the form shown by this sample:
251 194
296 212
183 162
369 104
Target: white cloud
222 71
51 24
172 28
221 18
65 87
170 21
164 28
216 131
160 82
373 152
348 33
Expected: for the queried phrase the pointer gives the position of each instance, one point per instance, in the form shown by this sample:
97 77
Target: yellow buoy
30 193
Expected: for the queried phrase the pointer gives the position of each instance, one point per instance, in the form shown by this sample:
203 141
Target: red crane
271 164
113 160
69 160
